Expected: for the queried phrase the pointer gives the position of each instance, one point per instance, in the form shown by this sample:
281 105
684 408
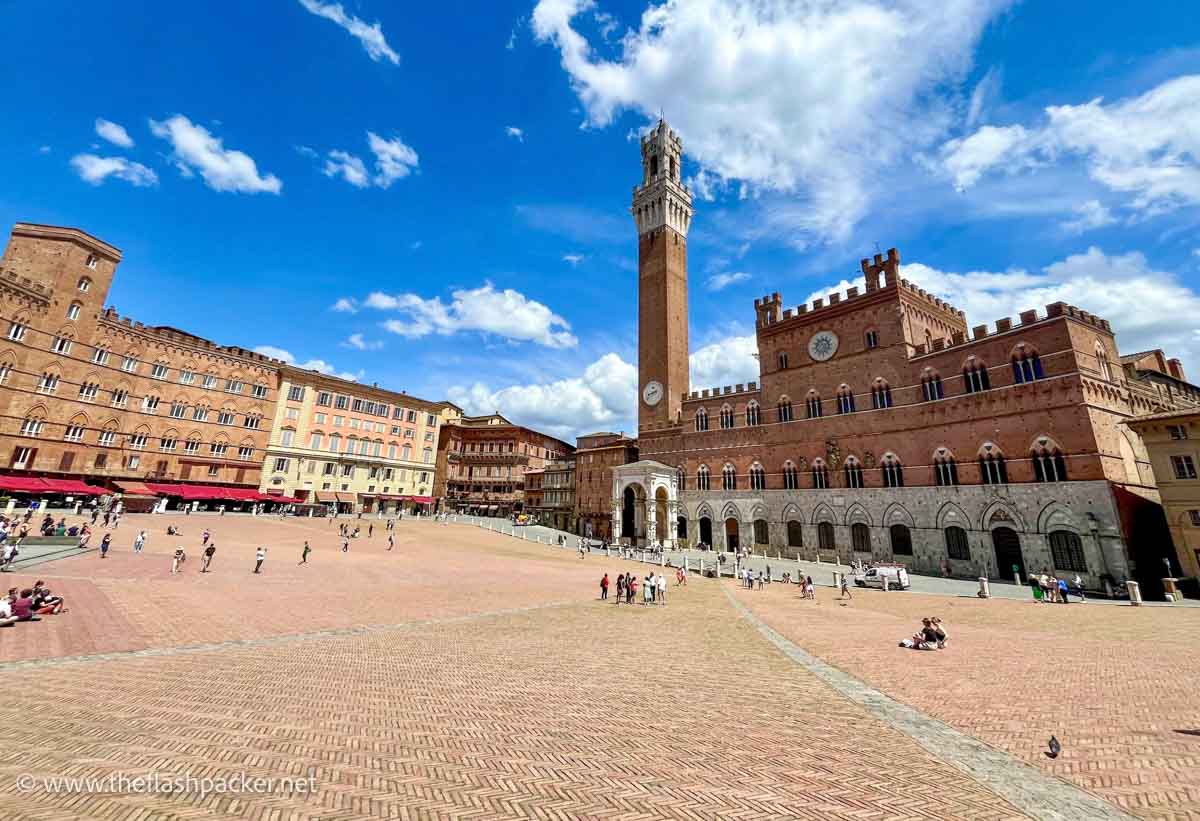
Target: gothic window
893 472
702 478
795 534
872 339
1066 548
820 475
901 540
813 405
791 481
753 414
992 469
860 537
881 395
702 419
1026 365
758 477
975 376
785 410
783 360
726 417
854 473
931 386
728 478
761 532
956 544
680 478
945 471
1102 363
1048 463
845 399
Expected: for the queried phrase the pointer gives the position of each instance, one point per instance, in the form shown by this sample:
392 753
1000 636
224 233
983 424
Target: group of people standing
653 587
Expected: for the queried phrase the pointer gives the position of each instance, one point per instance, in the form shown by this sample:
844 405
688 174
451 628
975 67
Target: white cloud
1196 252
1089 216
319 365
393 160
357 342
986 90
718 282
603 398
348 167
728 361
573 259
346 305
223 169
115 134
1147 308
514 132
96 170
370 35
798 98
508 314
1147 147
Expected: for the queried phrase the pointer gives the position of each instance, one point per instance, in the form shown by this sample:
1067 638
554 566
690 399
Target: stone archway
661 516
706 534
647 492
731 535
633 513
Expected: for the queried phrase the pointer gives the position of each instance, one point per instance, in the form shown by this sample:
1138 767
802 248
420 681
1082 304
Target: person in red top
604 588
22 608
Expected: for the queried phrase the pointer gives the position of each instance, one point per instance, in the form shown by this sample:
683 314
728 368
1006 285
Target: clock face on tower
823 345
652 394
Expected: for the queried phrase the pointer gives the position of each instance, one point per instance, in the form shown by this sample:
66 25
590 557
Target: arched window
991 467
845 399
762 533
785 409
893 472
945 469
872 339
956 544
901 540
860 537
820 474
1026 365
825 541
881 394
753 414
33 423
1066 549
701 419
758 477
795 534
728 477
726 417
783 360
931 386
681 478
791 481
73 310
975 376
702 478
813 405
1048 462
854 472
84 284
1103 364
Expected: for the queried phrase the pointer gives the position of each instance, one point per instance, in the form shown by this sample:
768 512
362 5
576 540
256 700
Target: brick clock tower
662 209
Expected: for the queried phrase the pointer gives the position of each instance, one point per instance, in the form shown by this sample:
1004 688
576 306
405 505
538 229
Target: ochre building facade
882 427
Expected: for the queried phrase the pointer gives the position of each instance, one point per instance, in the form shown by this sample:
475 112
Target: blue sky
435 197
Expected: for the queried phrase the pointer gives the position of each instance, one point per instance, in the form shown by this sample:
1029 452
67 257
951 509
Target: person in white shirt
259 556
661 588
139 542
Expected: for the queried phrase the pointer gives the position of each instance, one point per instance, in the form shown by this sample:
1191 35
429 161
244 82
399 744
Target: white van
896 575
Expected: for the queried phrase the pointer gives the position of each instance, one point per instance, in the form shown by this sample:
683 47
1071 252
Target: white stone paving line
1025 787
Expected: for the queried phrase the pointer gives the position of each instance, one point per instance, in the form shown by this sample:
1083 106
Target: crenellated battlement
13 278
174 335
913 290
722 392
1006 325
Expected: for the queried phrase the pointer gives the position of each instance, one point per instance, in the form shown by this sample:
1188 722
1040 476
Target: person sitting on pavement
939 630
7 619
22 607
925 639
45 604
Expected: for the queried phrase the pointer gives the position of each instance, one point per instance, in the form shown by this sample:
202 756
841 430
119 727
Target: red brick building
596 455
87 394
883 427
482 460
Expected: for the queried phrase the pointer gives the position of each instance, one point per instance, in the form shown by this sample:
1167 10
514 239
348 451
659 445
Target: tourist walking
661 588
204 537
259 556
208 556
178 558
391 541
304 554
139 542
845 588
604 588
104 545
345 545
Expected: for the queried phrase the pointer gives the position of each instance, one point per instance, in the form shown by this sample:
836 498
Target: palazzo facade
882 427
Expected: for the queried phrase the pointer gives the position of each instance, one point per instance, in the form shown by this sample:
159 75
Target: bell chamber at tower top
662 200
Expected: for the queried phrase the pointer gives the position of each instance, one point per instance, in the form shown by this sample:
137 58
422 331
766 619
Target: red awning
424 500
135 489
23 484
74 486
